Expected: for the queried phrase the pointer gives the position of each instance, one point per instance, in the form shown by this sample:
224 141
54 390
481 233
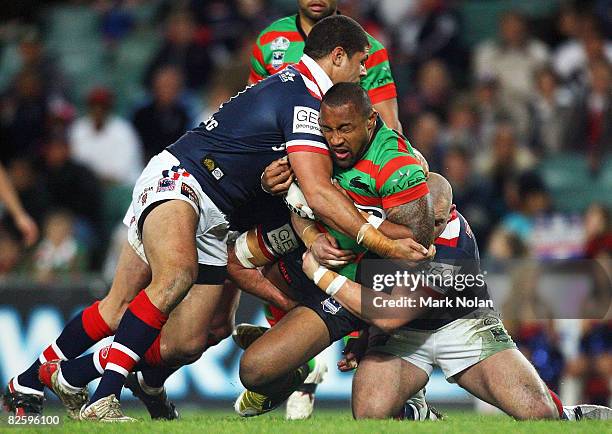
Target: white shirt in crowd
114 153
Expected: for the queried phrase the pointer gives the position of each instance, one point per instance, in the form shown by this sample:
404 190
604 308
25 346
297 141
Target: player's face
316 10
442 212
347 132
352 69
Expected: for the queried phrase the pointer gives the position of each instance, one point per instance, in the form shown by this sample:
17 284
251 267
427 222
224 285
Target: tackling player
378 169
282 43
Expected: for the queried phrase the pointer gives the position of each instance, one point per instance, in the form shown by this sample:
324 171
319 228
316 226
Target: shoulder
375 44
277 29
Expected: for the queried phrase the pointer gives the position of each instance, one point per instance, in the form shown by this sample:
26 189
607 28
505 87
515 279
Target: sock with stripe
558 404
81 332
138 330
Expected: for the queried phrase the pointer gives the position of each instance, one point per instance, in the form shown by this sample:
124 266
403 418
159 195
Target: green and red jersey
282 43
388 175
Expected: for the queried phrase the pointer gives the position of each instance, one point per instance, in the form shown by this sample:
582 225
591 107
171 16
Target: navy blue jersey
228 153
457 264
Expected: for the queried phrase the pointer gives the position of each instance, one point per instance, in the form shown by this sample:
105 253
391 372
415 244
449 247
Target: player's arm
375 308
22 219
418 216
388 111
381 87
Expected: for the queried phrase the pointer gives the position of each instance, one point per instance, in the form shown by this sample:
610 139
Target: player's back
228 152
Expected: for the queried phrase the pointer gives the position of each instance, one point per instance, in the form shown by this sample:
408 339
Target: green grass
324 421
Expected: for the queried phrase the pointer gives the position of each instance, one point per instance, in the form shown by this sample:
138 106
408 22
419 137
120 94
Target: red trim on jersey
306 148
364 200
377 58
367 166
147 312
258 55
401 144
444 242
262 245
406 196
94 325
382 93
254 77
392 166
50 354
266 38
303 69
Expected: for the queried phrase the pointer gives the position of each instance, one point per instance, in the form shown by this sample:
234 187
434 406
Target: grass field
325 421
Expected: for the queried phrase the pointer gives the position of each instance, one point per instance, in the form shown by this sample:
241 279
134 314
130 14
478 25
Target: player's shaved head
348 93
335 31
442 195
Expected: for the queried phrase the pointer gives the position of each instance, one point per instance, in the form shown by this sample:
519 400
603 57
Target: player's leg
382 385
88 327
168 237
508 381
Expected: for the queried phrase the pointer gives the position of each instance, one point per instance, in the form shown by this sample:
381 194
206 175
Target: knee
188 351
370 411
112 310
171 284
252 375
219 333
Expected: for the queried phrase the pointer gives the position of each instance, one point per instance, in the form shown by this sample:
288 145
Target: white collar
320 76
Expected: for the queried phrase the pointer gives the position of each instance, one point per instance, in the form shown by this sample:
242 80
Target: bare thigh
382 384
508 381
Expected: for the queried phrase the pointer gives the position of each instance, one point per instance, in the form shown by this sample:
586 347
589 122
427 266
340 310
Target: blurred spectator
531 200
106 143
598 231
490 108
425 135
59 254
589 129
462 126
23 112
504 246
549 109
432 93
513 60
117 19
71 185
164 119
183 48
225 85
30 188
572 58
10 254
471 194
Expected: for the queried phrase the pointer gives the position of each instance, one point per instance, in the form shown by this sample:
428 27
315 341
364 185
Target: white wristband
375 221
316 277
362 230
335 286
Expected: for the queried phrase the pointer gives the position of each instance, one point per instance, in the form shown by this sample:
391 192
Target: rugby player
282 43
470 344
377 168
182 199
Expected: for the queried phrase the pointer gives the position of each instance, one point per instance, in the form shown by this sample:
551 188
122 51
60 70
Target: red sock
557 402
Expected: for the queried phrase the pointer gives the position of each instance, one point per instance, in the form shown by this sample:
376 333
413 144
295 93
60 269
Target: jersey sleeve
401 178
257 65
379 81
301 126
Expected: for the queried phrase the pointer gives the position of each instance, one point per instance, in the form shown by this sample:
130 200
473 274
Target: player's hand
353 353
422 161
412 252
28 228
326 252
309 264
277 177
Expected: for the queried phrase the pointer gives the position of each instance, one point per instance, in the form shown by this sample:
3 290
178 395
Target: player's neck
306 23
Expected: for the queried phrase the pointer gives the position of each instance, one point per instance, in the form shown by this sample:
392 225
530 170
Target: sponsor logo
331 306
286 76
357 183
499 334
166 184
279 147
306 120
188 192
283 269
405 182
282 240
280 43
213 168
278 58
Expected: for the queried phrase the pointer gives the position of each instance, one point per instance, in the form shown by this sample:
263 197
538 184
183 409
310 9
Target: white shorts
454 347
164 179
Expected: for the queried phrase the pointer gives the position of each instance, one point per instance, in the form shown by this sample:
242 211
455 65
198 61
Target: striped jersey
228 152
282 43
387 175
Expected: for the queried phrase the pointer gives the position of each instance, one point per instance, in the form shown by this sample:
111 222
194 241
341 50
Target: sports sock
287 384
137 331
558 403
81 332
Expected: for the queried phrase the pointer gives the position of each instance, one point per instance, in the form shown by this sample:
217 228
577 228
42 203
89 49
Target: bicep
389 113
418 216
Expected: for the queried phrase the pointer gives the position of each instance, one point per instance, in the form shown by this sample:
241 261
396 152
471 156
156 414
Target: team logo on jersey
278 58
211 165
282 240
306 120
356 182
280 43
166 184
330 305
188 192
286 76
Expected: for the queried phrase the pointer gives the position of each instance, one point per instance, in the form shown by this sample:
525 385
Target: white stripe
42 359
58 351
318 73
117 368
125 350
311 85
66 384
300 142
96 360
26 390
452 230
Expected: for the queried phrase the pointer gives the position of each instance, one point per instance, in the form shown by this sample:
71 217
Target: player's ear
372 119
337 56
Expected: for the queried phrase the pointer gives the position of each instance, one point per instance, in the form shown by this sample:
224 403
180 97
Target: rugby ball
296 202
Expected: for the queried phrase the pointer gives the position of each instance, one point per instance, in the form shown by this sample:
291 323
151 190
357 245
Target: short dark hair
335 31
348 93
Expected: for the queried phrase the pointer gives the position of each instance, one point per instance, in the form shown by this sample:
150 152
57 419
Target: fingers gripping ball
296 202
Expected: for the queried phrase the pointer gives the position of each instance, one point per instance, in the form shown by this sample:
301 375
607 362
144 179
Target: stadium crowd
516 115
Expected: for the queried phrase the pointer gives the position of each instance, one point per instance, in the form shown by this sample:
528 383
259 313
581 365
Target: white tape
375 221
319 274
335 286
243 253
